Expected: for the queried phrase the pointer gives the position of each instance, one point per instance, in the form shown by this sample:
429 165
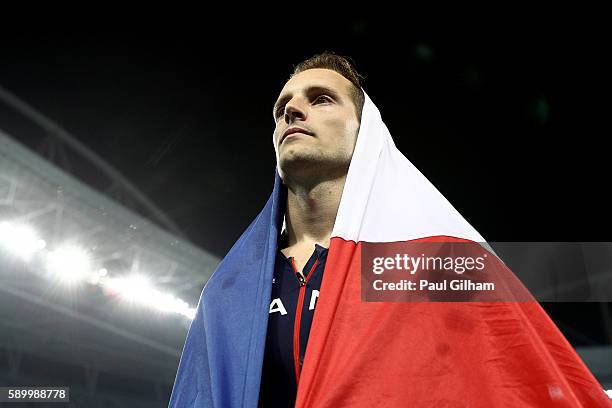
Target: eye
324 98
321 98
279 111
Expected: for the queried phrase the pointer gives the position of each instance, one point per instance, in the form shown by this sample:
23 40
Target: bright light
609 392
190 313
133 288
167 303
138 289
71 264
20 240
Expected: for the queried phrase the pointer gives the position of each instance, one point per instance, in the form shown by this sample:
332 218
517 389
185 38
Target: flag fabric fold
222 358
377 354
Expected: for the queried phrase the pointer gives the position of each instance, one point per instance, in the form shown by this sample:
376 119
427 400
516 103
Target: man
341 185
317 118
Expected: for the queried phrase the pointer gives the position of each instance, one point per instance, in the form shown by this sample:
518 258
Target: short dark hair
343 66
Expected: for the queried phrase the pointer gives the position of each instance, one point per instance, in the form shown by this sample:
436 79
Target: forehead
316 77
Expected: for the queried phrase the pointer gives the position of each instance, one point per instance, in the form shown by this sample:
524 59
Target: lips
293 130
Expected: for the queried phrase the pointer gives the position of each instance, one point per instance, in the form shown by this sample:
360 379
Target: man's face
319 102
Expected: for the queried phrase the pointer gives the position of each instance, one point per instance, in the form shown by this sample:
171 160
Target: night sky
502 118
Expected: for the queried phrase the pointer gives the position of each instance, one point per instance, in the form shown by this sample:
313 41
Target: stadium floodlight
190 313
168 303
133 288
71 264
20 240
138 289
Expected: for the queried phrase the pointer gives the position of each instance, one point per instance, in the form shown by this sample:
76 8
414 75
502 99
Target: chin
295 156
299 164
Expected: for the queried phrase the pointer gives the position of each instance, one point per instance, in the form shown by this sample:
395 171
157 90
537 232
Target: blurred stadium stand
89 328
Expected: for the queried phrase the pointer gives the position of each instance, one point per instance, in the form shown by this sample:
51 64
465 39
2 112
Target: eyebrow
309 91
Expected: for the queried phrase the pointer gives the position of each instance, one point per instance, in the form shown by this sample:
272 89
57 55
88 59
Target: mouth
293 134
294 131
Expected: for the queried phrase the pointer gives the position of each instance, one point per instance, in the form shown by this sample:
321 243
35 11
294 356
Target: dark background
503 118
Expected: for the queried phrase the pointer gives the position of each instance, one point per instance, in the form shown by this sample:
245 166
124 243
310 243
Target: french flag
377 354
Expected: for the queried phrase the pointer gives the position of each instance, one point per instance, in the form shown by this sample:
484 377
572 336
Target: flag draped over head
377 354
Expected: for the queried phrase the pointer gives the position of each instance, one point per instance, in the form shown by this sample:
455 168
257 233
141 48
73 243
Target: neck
311 211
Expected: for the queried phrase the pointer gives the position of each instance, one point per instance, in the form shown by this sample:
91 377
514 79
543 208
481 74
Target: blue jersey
293 301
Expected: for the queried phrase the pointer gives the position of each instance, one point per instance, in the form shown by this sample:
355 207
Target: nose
294 111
